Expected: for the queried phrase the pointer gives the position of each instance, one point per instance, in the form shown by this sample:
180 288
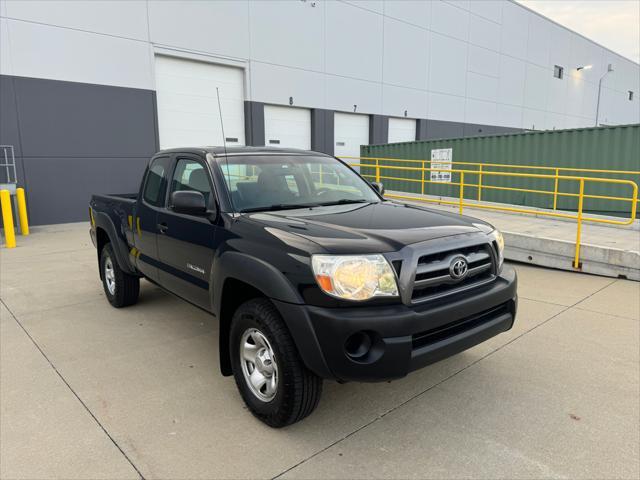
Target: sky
614 24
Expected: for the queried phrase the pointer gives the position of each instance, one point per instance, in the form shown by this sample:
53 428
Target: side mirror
188 202
379 187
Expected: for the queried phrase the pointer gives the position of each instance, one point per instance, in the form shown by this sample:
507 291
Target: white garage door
402 130
188 113
287 127
350 131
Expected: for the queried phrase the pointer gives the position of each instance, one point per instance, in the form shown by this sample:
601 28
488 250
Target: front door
144 222
187 243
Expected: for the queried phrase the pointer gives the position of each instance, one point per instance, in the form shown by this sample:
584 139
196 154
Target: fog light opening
358 345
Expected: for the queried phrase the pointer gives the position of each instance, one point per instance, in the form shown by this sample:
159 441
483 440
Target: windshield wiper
278 206
344 201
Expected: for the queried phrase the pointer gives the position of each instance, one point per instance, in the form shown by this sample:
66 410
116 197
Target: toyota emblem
458 268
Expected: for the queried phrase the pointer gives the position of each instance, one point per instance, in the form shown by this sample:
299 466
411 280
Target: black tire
298 389
126 287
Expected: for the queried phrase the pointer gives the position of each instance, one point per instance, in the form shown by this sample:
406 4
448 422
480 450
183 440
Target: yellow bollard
22 211
7 219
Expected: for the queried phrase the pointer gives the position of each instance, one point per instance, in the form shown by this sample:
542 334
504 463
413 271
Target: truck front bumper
383 343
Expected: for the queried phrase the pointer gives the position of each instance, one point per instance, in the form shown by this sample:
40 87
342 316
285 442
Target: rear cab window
155 184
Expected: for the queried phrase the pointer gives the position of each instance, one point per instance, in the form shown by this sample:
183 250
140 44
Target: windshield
280 182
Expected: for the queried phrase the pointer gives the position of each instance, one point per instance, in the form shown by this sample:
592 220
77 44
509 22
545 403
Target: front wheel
272 379
121 288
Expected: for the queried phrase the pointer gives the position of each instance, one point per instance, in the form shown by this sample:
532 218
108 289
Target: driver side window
190 175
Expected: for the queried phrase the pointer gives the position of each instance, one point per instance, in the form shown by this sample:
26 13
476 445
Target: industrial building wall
456 68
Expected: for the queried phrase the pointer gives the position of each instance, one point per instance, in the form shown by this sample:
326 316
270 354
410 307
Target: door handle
162 227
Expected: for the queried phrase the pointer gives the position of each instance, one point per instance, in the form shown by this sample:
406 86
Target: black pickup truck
310 272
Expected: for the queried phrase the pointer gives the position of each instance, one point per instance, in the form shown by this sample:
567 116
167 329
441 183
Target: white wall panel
287 127
343 93
395 100
479 111
512 80
539 41
187 101
557 97
373 5
509 116
350 132
484 33
573 101
123 19
449 19
5 52
533 119
448 65
219 27
401 64
555 121
586 53
489 9
515 30
430 58
560 51
288 33
275 84
482 87
402 130
417 12
445 107
56 53
354 48
481 60
536 86
589 100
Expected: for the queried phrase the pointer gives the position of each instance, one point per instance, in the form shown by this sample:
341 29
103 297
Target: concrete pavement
87 391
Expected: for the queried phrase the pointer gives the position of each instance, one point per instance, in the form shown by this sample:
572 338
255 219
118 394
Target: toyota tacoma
311 273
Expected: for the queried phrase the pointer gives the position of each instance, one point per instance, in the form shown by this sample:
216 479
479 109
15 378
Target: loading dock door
402 130
350 131
287 127
188 113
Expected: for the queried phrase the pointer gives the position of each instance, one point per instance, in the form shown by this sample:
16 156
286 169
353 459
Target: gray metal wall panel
322 131
68 119
442 129
9 128
60 188
254 123
378 129
75 139
421 129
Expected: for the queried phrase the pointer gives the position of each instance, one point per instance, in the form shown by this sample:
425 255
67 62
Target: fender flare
256 272
120 247
274 285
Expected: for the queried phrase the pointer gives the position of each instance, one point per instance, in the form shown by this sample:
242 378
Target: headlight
355 277
499 241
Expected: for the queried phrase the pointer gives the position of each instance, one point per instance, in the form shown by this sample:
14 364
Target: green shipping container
610 148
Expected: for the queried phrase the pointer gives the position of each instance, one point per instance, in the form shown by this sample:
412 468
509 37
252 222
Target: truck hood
367 228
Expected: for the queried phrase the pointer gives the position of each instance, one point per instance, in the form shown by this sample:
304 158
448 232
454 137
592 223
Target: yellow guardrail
558 174
480 173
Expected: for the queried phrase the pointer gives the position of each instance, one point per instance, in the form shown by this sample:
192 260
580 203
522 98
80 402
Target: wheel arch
261 279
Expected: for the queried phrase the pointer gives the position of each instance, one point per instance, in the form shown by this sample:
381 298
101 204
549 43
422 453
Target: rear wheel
120 288
271 377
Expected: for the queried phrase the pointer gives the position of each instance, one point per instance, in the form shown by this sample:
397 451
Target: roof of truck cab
235 150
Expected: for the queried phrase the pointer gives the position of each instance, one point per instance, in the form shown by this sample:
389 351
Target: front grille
433 280
454 328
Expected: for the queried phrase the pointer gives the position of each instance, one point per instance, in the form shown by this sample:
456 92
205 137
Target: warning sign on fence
441 160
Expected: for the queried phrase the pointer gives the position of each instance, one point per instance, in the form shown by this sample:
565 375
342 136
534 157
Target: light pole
609 69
